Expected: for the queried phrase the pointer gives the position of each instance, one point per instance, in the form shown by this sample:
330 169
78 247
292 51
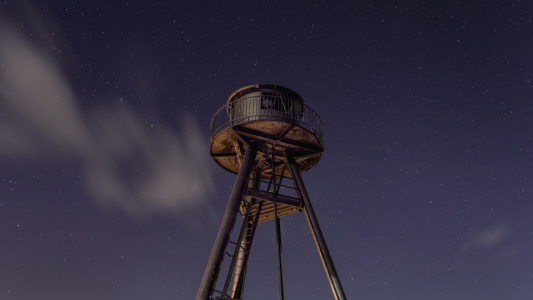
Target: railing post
230 108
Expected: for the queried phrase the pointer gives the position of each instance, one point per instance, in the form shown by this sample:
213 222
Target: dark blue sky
107 190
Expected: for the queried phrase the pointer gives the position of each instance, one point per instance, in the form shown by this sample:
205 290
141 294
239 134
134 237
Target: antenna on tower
268 136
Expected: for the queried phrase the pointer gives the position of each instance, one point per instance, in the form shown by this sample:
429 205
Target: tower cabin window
268 100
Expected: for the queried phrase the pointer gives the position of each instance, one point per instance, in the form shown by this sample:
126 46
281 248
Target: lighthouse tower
268 136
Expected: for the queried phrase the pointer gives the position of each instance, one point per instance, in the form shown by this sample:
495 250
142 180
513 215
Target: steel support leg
228 222
281 281
333 278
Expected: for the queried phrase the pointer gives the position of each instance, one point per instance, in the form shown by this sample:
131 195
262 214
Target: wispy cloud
127 166
487 238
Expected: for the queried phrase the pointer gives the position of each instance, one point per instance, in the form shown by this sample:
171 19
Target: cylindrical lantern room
265 102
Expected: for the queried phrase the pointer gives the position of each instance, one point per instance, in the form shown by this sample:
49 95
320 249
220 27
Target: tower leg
333 278
228 222
281 281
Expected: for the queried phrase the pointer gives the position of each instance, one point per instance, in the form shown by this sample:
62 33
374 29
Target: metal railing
267 108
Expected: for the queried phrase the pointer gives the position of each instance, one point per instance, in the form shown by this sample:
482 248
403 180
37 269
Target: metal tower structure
268 136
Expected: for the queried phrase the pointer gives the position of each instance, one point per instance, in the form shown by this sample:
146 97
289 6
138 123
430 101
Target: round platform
274 118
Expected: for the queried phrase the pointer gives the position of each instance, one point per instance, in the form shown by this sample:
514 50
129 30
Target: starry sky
107 190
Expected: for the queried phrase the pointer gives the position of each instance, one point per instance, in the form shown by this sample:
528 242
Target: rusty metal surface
267 211
225 149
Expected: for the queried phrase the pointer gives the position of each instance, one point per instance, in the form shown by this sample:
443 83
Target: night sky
107 189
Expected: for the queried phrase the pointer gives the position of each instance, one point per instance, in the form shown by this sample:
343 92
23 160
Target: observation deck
273 117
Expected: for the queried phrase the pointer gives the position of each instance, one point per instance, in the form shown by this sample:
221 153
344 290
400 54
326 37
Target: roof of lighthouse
265 88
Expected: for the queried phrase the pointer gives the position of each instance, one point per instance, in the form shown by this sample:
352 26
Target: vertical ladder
234 284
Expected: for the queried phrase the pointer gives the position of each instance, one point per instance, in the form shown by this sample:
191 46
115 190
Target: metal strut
237 269
281 284
212 270
320 242
250 221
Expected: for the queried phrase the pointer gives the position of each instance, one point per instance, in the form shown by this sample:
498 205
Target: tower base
259 199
